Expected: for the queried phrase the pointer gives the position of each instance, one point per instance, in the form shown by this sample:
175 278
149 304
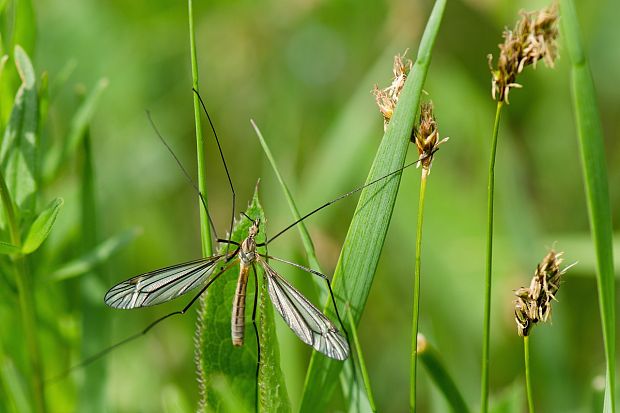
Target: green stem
205 231
528 378
486 330
362 364
416 292
26 301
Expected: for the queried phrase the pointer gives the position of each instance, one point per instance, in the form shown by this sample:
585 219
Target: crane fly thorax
247 253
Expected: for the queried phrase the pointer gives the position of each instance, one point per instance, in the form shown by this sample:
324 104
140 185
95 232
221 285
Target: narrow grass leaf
90 260
8 248
77 129
353 390
18 153
592 148
217 359
362 248
15 387
41 227
429 356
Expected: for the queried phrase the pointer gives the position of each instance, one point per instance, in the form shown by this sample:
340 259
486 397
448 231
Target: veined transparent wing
161 285
308 323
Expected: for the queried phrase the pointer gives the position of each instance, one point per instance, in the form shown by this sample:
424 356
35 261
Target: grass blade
362 248
430 359
592 148
41 227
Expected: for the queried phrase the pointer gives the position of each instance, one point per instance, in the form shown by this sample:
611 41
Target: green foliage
219 362
41 227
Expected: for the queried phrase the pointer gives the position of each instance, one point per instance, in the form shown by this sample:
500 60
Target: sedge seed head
533 38
533 303
388 97
426 136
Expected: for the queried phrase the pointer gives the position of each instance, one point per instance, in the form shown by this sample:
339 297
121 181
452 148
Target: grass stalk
486 329
362 363
592 149
26 302
205 231
416 292
528 377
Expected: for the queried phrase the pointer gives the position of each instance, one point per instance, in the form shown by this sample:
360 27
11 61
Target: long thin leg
325 205
219 147
189 178
329 286
256 330
105 351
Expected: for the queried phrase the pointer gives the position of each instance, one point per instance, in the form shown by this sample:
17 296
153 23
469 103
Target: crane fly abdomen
237 321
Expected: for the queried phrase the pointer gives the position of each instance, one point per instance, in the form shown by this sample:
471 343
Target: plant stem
528 378
416 291
205 231
362 364
26 301
486 330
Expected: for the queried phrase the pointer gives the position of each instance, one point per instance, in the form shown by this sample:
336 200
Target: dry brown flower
533 304
387 98
533 39
426 136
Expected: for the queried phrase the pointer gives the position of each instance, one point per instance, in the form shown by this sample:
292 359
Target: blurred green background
304 70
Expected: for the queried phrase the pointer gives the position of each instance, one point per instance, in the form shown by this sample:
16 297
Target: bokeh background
304 71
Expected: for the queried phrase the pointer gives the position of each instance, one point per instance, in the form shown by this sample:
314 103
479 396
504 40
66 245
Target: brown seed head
533 38
387 98
533 304
426 136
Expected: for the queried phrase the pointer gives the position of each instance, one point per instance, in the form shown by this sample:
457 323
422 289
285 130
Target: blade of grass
205 231
592 148
348 378
362 248
429 356
41 227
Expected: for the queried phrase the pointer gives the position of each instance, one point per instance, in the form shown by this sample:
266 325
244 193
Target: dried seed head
387 98
426 136
532 39
533 304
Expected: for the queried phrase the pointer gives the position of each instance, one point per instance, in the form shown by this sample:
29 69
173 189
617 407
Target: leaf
218 360
95 257
362 248
592 148
18 153
7 248
41 227
79 123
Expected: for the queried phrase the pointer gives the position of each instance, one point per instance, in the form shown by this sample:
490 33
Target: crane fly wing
306 321
161 285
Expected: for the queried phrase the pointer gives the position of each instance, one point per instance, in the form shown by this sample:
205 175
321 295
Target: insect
306 321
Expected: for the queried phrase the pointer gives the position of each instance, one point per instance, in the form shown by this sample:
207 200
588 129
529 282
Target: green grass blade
355 395
18 153
41 227
218 359
591 143
431 360
362 247
205 230
8 248
96 256
77 130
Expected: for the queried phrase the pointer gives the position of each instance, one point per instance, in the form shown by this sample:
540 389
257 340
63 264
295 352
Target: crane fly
306 321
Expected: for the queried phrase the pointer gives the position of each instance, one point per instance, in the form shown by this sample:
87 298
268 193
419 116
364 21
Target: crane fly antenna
374 181
189 178
219 147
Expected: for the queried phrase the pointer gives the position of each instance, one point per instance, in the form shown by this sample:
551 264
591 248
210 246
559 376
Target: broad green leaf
95 257
41 227
219 361
18 153
79 123
7 248
592 148
362 247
